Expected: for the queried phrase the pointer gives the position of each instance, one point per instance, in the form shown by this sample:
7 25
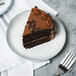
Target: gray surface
67 14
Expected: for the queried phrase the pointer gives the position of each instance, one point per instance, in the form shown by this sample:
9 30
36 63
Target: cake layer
36 35
36 42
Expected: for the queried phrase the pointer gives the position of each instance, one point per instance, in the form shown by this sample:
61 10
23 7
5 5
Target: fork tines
68 61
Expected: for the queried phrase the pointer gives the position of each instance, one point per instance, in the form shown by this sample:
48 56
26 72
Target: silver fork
66 63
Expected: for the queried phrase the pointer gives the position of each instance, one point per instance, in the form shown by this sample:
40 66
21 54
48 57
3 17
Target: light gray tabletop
67 14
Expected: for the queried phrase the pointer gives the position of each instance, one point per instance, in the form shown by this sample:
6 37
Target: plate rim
38 60
9 6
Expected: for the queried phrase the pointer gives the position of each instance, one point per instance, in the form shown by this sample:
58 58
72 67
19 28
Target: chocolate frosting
38 20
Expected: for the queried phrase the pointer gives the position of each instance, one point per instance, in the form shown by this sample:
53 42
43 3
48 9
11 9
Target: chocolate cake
39 28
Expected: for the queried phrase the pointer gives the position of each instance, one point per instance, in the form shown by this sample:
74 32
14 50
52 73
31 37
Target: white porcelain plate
41 52
4 8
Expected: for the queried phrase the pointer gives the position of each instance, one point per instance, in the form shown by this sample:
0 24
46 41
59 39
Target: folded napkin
18 7
22 70
7 58
41 5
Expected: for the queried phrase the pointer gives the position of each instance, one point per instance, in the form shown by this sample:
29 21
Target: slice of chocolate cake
39 28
